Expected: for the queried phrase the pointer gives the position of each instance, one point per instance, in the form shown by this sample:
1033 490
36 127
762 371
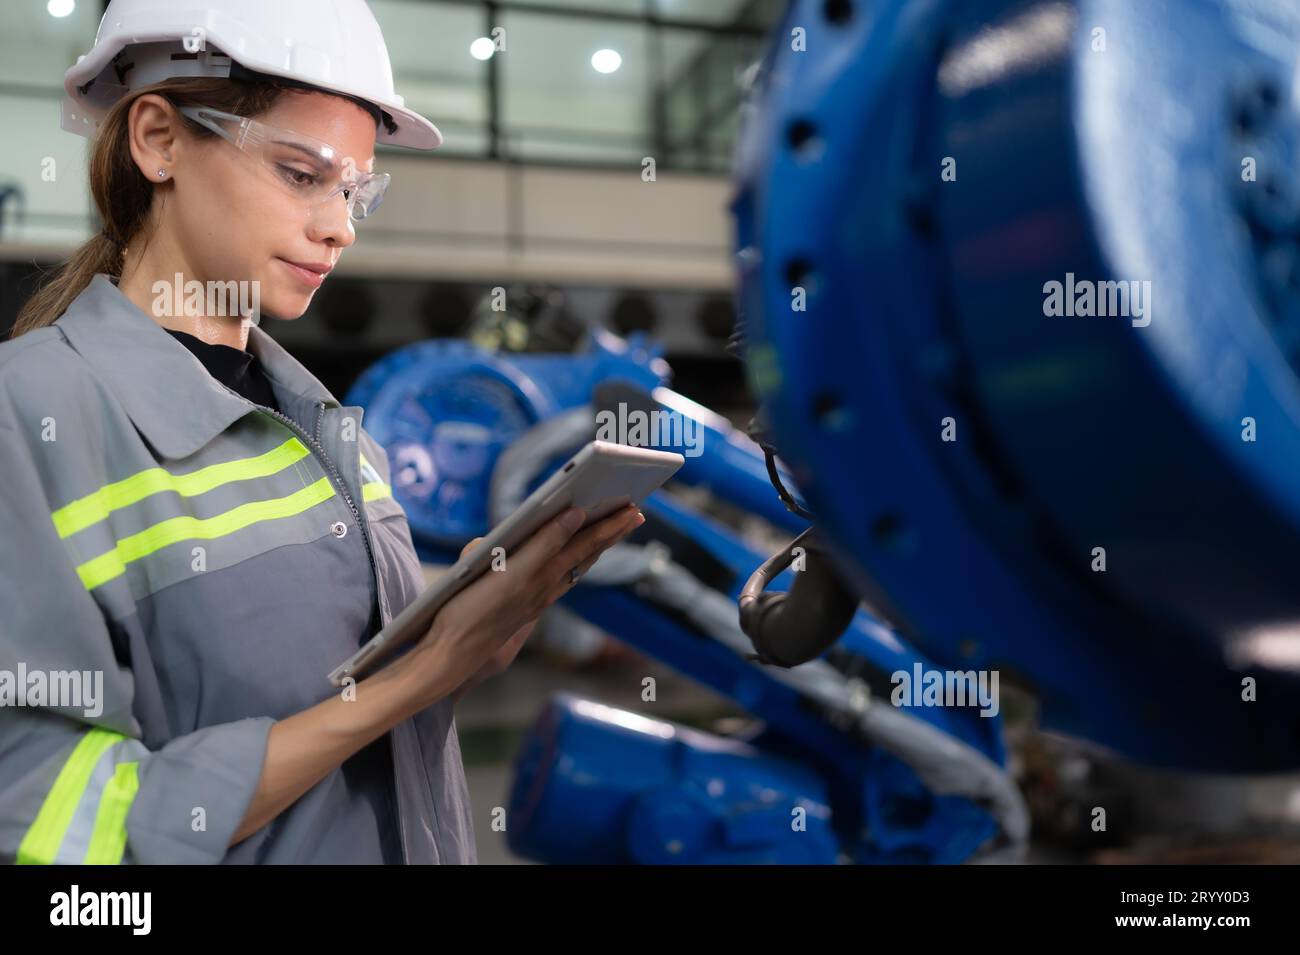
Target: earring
162 173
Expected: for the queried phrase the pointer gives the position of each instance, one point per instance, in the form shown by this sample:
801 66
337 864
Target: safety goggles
304 167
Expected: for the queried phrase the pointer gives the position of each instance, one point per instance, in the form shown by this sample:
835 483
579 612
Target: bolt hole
829 411
889 532
1243 123
1267 95
826 403
1254 106
920 218
801 132
804 140
799 272
838 12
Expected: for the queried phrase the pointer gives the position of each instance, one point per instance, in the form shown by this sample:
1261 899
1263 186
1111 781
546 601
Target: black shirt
238 370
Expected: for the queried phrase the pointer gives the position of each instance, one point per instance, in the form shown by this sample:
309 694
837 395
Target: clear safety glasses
305 167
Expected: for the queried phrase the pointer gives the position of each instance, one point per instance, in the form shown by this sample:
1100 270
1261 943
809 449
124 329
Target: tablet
600 479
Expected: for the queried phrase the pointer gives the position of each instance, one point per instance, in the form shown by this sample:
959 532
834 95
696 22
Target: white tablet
600 479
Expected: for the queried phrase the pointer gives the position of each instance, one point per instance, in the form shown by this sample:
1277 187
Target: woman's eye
297 177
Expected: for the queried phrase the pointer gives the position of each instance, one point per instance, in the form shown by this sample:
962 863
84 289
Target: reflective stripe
99 570
93 508
369 473
372 492
108 843
41 843
374 486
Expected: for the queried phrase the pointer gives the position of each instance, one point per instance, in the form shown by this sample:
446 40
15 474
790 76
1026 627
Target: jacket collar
166 392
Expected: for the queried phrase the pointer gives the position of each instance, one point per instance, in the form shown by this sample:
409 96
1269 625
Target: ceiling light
606 61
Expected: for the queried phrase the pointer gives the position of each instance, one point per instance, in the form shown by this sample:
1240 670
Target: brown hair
123 195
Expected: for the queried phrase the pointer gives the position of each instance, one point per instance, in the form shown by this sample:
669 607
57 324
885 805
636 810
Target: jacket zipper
314 441
334 474
343 489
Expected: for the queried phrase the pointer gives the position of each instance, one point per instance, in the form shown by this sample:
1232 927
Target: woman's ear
152 131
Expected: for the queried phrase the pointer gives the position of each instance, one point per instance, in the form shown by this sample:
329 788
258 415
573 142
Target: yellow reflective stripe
93 508
99 570
108 842
42 841
375 490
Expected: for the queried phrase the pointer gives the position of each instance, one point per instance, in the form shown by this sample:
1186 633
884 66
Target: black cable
736 348
773 475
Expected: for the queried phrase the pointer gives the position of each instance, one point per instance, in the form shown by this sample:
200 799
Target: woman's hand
481 629
500 661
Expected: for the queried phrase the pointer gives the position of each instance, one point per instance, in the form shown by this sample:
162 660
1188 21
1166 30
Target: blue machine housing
652 793
926 301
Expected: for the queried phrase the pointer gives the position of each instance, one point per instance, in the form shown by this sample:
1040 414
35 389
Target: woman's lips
309 274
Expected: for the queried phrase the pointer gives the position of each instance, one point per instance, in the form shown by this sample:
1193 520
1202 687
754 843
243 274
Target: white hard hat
333 45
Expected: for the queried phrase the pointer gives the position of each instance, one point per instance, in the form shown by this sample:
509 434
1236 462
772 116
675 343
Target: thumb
470 546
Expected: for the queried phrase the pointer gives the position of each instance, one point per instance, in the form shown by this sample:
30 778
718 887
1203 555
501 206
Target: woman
197 531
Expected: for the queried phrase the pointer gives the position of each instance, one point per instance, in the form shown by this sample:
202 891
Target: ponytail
123 196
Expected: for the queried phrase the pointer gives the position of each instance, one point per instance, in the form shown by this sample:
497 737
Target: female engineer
196 532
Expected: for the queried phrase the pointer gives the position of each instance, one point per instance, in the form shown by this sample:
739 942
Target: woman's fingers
591 542
581 554
538 573
546 542
553 580
552 545
590 562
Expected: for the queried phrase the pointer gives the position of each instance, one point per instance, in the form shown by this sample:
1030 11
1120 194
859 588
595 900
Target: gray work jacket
207 561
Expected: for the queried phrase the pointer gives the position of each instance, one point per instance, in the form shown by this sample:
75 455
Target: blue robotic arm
837 771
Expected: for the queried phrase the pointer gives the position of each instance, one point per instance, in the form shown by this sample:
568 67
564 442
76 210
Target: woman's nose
331 222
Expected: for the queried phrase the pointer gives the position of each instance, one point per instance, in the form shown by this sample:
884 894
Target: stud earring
162 173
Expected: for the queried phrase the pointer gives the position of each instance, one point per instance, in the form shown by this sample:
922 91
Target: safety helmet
330 45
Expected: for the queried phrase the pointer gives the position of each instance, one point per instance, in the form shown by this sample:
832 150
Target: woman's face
234 218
